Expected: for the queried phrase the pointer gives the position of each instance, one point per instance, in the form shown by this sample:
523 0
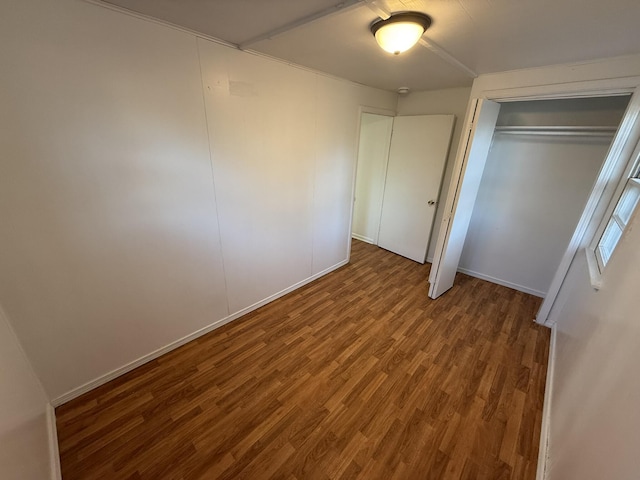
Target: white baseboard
54 453
499 281
543 451
362 239
504 283
107 377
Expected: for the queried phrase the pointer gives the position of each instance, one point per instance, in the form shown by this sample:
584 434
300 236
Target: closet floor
356 375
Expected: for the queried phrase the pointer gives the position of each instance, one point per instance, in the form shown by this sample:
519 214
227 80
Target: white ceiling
485 35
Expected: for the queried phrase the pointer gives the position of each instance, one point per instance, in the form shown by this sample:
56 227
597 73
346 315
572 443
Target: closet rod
558 130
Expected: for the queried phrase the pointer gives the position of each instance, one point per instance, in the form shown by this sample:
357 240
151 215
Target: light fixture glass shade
400 31
399 37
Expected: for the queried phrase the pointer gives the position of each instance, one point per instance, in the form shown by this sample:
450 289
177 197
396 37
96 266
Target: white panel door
419 148
373 155
465 181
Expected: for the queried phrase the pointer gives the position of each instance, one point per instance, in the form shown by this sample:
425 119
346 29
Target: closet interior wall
534 187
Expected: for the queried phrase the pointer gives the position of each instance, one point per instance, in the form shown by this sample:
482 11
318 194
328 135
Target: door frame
375 111
620 150
467 172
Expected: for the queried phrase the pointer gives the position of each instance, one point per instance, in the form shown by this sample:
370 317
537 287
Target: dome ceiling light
400 31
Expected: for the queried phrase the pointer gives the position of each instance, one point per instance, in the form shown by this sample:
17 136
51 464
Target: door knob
431 202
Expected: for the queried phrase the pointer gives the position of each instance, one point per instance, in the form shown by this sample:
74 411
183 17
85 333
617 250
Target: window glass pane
628 202
617 223
609 240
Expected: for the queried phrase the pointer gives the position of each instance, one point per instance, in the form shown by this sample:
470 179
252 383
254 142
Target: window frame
630 180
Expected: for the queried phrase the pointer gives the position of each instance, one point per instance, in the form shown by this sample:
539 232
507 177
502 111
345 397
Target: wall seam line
213 179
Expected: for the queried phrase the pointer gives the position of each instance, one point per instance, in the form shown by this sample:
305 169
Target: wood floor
356 375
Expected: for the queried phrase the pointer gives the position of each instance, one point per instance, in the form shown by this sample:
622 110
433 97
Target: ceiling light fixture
400 31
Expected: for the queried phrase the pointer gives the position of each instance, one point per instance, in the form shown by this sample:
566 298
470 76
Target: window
626 200
617 222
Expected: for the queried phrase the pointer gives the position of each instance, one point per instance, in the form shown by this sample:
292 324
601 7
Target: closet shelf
558 130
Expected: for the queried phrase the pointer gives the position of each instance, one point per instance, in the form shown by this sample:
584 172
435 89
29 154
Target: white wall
283 142
595 419
437 102
111 247
373 152
115 241
24 448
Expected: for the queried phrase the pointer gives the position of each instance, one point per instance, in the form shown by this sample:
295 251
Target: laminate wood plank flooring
356 375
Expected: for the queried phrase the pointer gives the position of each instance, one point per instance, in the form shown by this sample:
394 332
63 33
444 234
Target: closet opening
529 176
543 162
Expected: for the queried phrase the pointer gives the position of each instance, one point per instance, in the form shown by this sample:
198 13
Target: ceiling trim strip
446 56
382 12
342 6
